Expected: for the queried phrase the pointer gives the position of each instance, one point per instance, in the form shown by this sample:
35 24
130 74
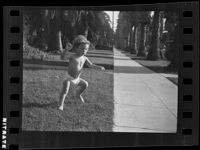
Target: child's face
82 49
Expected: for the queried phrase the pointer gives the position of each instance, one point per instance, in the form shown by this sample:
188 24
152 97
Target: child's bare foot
81 98
61 107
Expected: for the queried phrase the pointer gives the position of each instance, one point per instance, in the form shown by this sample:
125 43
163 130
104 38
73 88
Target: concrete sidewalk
144 101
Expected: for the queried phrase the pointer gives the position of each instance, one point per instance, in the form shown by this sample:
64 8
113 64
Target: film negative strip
188 89
12 77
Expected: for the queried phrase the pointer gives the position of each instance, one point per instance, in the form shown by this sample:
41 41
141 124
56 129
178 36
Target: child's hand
102 68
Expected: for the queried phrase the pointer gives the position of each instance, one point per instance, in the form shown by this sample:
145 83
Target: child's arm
93 66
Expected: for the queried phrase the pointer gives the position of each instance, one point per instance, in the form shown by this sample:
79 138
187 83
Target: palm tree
129 24
134 25
33 22
104 30
54 41
154 51
57 26
172 26
124 29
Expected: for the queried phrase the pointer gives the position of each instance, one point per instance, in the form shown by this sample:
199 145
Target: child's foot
61 107
81 98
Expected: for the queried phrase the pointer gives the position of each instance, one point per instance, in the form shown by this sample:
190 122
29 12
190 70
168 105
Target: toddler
76 63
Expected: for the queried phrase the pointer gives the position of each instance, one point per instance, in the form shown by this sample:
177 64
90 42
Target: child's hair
80 39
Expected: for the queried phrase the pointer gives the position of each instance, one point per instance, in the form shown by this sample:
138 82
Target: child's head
81 45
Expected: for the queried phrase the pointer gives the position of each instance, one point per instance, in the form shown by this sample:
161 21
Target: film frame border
188 110
11 76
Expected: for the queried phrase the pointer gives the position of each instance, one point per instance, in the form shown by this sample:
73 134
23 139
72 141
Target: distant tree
123 29
129 24
143 19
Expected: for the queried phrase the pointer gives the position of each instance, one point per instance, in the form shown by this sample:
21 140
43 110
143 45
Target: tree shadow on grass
43 62
50 105
46 67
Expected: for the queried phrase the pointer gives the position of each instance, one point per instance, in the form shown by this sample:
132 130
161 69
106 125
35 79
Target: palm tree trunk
133 51
131 38
154 51
161 34
136 39
173 50
85 32
145 37
127 42
55 35
141 51
59 41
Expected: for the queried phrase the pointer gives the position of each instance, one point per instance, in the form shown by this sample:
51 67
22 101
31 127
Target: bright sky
110 13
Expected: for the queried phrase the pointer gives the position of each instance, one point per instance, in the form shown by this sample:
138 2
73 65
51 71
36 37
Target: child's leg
82 86
64 92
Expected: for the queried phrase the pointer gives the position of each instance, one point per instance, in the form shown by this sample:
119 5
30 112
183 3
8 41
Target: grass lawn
99 57
41 89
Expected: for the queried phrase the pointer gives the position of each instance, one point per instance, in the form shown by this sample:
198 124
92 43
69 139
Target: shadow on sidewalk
159 66
143 70
129 58
133 56
173 79
98 56
100 53
132 70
